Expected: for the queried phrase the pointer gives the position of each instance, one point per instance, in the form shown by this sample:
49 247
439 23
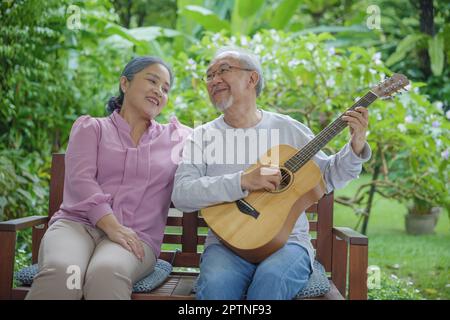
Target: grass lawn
423 262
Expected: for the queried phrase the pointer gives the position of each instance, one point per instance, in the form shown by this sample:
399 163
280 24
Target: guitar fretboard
325 136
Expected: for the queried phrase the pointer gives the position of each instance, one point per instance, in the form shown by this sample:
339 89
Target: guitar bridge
246 208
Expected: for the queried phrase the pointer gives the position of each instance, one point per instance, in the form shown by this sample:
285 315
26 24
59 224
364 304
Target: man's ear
124 83
253 79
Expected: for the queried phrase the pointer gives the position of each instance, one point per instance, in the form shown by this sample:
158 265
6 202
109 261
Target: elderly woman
118 182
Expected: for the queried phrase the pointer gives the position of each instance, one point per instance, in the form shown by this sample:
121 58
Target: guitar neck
325 136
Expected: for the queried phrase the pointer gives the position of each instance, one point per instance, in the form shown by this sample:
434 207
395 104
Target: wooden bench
342 251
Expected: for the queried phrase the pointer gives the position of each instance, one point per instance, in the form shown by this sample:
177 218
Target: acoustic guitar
256 226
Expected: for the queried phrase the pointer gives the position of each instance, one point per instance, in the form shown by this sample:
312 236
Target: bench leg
358 272
8 241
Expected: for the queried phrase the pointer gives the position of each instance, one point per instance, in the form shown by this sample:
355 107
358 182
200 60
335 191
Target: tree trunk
372 190
427 27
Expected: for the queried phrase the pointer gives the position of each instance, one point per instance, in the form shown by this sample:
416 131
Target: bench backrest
183 228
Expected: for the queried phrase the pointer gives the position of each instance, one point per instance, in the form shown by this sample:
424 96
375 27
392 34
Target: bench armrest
22 223
350 248
350 236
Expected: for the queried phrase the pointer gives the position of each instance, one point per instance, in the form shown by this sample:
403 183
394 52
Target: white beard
224 105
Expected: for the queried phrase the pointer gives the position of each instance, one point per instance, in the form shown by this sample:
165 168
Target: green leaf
248 8
335 29
205 17
436 53
404 47
284 13
151 33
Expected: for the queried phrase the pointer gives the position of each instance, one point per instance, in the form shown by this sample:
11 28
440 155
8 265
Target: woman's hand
124 236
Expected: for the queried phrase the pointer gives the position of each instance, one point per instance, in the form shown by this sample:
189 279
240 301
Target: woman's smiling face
148 92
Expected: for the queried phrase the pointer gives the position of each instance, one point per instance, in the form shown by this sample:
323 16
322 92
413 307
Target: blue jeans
226 276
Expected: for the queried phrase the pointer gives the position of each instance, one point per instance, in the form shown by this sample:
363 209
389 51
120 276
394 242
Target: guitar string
311 153
372 96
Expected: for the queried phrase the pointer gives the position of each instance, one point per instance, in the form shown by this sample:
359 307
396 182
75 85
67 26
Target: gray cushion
317 286
318 283
153 280
25 275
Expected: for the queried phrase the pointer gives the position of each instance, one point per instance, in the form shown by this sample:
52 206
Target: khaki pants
76 260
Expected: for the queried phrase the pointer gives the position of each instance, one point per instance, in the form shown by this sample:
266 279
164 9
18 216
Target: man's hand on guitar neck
358 121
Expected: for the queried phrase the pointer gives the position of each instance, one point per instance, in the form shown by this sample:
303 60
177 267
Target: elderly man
212 172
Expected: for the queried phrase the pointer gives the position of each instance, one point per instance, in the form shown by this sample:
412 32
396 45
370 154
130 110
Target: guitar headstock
390 86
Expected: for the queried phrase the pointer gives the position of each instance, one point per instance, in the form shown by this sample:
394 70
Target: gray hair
247 60
134 66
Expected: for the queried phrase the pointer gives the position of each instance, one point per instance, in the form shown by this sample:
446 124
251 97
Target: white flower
408 119
309 46
436 124
293 63
257 38
275 37
266 57
331 51
304 62
216 37
331 82
444 154
439 105
192 65
258 49
178 100
447 114
393 276
244 41
377 58
372 71
401 127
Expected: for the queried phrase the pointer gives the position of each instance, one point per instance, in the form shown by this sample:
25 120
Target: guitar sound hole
285 180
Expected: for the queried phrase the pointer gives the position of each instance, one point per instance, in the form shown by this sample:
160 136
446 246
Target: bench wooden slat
182 259
201 239
174 221
201 222
172 238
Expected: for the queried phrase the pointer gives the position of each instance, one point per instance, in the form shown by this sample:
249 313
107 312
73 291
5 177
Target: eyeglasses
223 69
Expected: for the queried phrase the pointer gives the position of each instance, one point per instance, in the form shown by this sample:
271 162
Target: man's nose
215 80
